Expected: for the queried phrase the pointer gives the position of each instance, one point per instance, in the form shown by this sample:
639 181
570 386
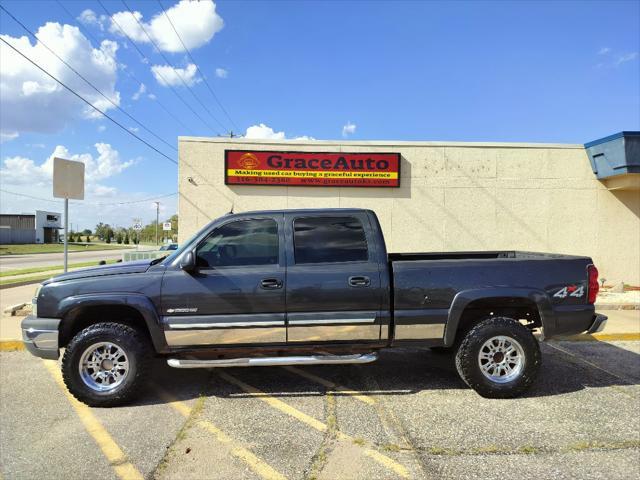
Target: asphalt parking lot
406 416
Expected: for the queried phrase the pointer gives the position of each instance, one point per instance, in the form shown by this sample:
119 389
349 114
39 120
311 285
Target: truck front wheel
105 364
498 358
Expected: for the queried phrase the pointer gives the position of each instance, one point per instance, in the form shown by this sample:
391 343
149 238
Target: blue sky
467 71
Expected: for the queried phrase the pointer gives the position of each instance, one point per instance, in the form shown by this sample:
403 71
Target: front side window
240 243
329 240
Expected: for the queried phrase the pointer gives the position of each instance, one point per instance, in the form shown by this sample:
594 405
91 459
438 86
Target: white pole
66 232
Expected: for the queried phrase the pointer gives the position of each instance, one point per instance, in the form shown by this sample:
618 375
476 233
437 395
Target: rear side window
329 240
240 243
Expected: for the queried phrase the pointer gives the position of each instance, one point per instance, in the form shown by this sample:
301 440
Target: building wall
47 220
17 229
453 196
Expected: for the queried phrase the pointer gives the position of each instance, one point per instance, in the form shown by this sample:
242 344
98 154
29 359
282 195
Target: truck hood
139 266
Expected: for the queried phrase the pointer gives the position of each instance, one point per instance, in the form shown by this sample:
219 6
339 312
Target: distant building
42 227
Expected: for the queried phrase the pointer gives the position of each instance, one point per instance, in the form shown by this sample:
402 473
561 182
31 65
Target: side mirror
188 262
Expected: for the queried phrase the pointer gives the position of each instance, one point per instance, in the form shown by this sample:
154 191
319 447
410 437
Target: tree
71 239
86 231
102 229
126 237
88 239
119 237
108 234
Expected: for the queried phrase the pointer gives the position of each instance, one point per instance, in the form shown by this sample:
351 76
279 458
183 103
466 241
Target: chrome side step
274 361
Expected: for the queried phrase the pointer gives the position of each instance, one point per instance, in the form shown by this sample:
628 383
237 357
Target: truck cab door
236 294
333 289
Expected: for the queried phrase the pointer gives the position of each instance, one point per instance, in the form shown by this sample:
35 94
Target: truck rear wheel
498 358
105 364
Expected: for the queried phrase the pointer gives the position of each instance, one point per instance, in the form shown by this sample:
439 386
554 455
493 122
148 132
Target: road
406 416
10 262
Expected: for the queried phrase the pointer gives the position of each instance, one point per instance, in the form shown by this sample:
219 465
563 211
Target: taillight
594 287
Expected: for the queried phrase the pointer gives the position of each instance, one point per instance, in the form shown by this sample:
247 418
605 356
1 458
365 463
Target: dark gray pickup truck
301 287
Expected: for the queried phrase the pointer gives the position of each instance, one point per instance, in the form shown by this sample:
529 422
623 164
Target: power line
126 71
85 80
88 102
172 66
90 203
197 67
207 124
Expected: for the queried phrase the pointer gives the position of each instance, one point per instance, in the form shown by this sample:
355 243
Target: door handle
271 283
359 281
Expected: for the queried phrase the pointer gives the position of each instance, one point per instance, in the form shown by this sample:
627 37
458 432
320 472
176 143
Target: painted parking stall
254 167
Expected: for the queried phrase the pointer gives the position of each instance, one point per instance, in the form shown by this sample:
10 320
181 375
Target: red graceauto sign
251 167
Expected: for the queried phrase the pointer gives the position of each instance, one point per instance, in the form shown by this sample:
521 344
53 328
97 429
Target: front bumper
40 336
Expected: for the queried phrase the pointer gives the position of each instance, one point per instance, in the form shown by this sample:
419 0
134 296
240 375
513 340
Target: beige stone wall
453 196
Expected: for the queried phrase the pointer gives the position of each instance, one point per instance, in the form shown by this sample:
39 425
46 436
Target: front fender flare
69 307
465 297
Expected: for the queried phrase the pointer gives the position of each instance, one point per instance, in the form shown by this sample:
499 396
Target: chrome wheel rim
104 366
501 359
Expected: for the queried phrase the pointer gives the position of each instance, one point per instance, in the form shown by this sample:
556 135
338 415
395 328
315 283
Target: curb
10 345
600 337
22 284
617 306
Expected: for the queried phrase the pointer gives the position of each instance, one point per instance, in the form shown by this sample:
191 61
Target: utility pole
157 219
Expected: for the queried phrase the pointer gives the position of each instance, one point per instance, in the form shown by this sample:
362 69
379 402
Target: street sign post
137 226
68 182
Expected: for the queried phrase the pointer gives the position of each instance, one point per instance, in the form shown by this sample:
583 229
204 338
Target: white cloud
141 90
89 17
20 170
263 131
151 96
627 57
196 22
349 129
102 191
102 128
168 76
222 73
604 51
5 137
32 101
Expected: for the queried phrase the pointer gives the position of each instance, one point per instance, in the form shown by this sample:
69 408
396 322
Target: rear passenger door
333 289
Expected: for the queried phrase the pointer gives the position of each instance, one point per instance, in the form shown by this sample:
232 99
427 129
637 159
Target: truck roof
306 210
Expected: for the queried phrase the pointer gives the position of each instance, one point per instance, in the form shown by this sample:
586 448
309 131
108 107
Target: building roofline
375 143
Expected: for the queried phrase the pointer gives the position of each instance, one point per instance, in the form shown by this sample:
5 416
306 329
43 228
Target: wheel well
517 308
81 318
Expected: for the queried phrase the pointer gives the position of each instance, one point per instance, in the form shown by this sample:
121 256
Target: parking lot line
382 459
256 464
9 345
114 454
331 385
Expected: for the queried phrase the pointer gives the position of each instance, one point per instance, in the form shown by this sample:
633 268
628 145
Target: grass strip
38 278
35 248
24 271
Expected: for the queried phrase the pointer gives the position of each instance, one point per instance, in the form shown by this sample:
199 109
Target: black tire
131 341
468 362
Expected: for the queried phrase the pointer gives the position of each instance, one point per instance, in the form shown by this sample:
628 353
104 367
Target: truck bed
476 255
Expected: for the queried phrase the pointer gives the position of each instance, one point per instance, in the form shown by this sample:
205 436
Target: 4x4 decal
570 291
